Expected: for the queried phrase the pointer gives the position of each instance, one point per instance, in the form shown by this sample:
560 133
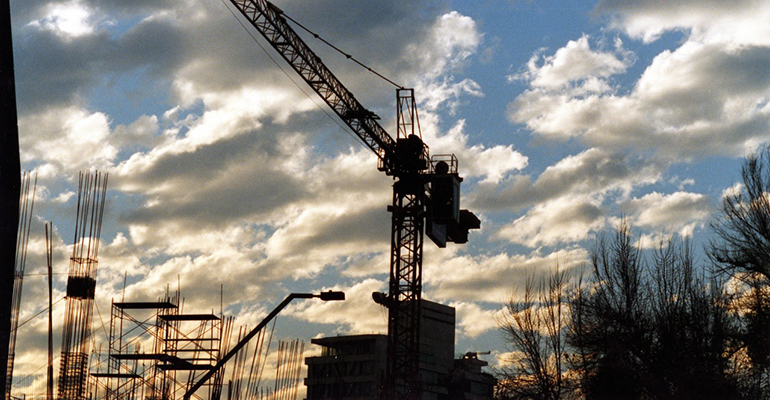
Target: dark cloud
128 7
155 43
51 71
217 184
361 227
699 83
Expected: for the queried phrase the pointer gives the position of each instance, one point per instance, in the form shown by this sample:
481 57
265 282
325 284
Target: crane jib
267 19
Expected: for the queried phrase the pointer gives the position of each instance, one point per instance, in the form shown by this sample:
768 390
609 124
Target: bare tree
609 324
652 329
693 330
534 328
741 251
742 229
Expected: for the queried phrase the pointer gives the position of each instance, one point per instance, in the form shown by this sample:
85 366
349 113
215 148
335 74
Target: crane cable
348 56
281 68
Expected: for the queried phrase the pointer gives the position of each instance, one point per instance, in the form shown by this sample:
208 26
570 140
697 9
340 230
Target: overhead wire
104 327
40 312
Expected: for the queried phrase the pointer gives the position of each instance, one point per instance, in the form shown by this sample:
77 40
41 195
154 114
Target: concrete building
353 367
349 367
468 381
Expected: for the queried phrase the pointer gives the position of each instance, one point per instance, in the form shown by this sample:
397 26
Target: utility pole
10 184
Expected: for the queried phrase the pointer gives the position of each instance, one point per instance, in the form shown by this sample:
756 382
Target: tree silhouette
652 329
742 229
535 328
654 324
609 322
741 251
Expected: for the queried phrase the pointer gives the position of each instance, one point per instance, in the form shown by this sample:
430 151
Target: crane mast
425 191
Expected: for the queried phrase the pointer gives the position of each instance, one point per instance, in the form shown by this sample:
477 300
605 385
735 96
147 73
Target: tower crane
426 191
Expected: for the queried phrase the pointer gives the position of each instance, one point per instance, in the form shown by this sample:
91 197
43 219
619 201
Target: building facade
353 367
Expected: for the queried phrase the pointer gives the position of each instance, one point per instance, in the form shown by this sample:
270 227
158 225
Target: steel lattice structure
268 20
407 159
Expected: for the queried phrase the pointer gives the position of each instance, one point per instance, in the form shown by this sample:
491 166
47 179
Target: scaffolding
157 353
131 330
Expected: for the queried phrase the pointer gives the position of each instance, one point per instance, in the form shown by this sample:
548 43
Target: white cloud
734 22
564 220
63 197
696 101
594 173
576 62
679 211
141 133
358 313
593 170
442 92
492 163
733 190
474 321
70 20
452 39
322 236
71 138
454 277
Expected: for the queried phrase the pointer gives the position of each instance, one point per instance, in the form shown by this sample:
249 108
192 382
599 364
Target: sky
229 179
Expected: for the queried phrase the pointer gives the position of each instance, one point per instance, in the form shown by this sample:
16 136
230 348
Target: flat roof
330 340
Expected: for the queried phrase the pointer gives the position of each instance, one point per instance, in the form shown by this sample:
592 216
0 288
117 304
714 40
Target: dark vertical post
10 184
49 259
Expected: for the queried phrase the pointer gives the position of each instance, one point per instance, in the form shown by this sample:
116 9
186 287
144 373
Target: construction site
158 350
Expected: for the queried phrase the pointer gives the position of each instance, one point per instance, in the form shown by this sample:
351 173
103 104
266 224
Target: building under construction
156 352
162 353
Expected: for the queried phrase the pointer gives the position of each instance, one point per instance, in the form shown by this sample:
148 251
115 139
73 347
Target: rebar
81 285
26 204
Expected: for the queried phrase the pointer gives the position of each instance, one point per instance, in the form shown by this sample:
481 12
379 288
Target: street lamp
325 296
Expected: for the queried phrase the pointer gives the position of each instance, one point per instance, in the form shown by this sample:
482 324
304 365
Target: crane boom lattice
267 19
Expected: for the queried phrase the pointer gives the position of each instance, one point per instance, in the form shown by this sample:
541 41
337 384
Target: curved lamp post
325 296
